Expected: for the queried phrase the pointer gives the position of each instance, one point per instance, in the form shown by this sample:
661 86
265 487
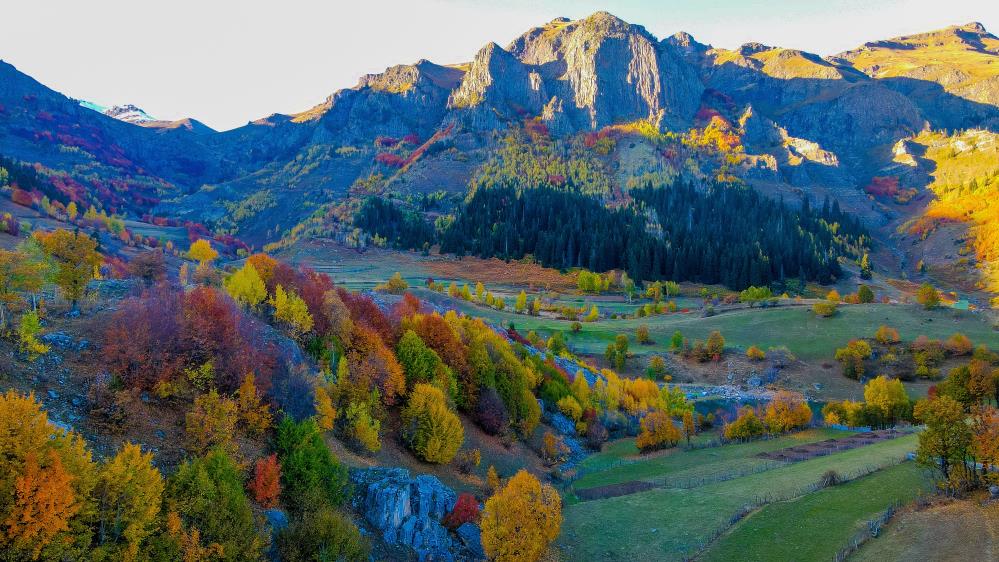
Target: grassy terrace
818 525
669 523
613 467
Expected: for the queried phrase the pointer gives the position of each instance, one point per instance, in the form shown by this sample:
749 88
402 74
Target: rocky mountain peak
128 113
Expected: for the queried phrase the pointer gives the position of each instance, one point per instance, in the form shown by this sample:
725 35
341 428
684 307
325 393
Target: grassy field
818 525
680 464
952 532
666 524
805 335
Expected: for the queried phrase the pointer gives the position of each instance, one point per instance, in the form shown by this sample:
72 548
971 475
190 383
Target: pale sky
226 62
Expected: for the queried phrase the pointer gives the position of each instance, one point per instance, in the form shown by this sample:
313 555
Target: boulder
408 510
471 537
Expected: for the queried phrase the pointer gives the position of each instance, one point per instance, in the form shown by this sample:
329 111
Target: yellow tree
887 397
325 410
75 257
254 413
18 274
202 252
245 286
212 422
291 310
521 520
44 502
129 492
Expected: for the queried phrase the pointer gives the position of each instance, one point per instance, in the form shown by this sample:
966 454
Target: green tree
865 295
76 259
418 361
947 436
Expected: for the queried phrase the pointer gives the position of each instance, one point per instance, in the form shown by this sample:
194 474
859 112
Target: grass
795 327
681 463
818 525
956 531
670 523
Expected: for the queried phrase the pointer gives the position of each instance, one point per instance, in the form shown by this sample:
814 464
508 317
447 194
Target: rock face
408 510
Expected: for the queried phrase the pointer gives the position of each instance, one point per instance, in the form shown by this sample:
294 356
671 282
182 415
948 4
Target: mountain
784 120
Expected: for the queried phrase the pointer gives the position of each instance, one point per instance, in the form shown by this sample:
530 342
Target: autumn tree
928 296
325 410
745 427
786 411
985 441
48 478
521 520
947 437
887 400
852 358
253 412
266 483
657 368
245 286
291 310
715 345
264 266
658 431
886 335
129 495
202 252
212 422
149 266
75 257
754 353
689 427
492 480
322 534
432 430
642 335
825 308
18 274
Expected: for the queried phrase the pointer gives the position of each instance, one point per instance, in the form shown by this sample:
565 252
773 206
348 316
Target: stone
471 536
407 509
53 394
994 492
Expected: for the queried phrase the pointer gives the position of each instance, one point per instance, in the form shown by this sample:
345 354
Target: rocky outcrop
607 71
407 510
498 88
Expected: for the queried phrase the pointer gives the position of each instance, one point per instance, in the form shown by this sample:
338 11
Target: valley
594 295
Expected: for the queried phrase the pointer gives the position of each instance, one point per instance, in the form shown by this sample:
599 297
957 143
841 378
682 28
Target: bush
570 407
745 427
959 344
824 309
323 534
596 434
466 510
865 295
658 431
852 358
431 429
715 345
887 335
466 461
209 496
928 296
311 475
830 478
642 335
755 354
491 414
266 483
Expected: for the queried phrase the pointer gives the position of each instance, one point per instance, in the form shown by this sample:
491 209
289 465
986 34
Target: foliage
395 285
657 369
928 296
887 400
361 428
320 535
852 358
253 413
824 309
745 427
886 335
715 235
208 495
75 256
947 437
310 474
27 335
755 353
266 483
521 519
466 510
291 310
212 422
432 430
202 252
658 431
786 411
403 229
129 491
246 287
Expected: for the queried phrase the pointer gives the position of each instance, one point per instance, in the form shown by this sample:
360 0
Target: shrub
596 434
466 510
865 295
571 408
959 344
745 427
928 296
755 354
658 431
468 460
491 414
322 534
642 335
657 368
786 411
824 309
212 422
829 479
432 430
715 345
311 475
553 448
209 496
852 358
886 335
266 483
